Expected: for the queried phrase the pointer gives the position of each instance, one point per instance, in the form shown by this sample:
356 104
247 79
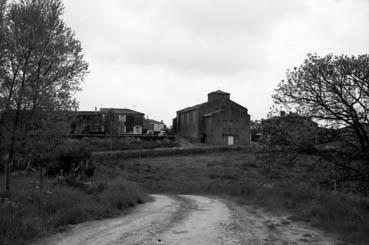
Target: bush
122 194
71 152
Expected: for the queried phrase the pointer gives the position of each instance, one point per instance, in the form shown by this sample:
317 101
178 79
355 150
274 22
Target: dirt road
189 219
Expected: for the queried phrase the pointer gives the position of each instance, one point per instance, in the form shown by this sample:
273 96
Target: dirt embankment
190 219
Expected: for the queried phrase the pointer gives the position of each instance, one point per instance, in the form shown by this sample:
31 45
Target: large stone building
219 121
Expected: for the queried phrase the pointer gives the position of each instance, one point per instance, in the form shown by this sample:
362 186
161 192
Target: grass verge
31 213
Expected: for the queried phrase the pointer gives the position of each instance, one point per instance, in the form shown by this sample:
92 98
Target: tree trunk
7 179
15 124
41 179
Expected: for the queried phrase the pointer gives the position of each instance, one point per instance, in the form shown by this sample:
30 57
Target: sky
160 56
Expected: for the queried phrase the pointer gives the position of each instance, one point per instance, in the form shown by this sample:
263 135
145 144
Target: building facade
153 126
114 121
218 121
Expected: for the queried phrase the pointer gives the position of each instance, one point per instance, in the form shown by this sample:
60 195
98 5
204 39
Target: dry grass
30 213
243 177
104 144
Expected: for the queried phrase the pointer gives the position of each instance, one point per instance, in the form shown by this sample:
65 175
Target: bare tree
43 68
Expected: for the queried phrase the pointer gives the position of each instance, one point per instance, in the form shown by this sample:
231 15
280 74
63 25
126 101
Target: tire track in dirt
192 219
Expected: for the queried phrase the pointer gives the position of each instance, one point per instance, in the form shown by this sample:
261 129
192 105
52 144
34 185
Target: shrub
72 151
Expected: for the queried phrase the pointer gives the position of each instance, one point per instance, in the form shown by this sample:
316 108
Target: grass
30 213
105 144
249 180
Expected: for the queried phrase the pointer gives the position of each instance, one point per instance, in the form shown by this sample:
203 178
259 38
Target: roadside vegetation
95 144
252 178
47 181
30 213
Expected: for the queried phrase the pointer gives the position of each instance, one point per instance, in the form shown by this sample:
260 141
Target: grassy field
106 144
30 213
247 178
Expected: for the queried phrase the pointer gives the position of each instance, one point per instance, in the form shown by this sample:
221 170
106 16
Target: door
230 140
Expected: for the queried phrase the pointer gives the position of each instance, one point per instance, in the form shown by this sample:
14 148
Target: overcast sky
159 56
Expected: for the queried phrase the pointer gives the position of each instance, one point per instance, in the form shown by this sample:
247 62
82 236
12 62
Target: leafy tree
334 90
290 131
43 67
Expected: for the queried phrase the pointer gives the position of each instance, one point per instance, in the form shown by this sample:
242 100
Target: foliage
71 157
29 213
292 130
334 90
41 68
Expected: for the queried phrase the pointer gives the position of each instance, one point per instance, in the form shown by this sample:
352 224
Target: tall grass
30 213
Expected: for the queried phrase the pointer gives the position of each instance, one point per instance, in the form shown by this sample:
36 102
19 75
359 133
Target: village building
114 121
219 121
153 126
88 122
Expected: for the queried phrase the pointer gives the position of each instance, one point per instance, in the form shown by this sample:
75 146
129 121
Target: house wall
226 123
189 122
133 120
158 127
201 123
118 123
87 123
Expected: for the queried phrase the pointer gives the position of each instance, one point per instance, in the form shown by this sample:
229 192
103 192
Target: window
122 118
225 124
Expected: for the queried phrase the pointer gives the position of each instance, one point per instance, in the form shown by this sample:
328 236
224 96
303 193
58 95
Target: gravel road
190 219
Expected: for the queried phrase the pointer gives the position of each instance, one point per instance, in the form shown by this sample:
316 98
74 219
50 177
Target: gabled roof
192 107
120 111
153 121
87 113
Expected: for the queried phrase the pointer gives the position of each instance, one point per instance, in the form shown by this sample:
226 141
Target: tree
43 67
335 91
290 131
